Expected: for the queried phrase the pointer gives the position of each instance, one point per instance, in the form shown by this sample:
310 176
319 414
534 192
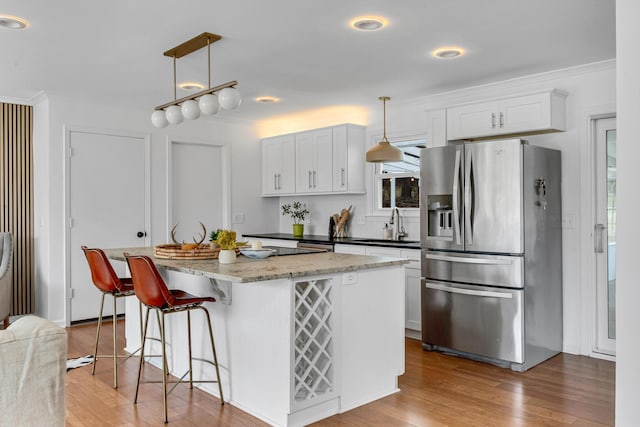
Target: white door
605 236
107 207
199 191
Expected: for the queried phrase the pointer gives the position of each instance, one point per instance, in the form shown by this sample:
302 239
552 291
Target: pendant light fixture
383 150
207 101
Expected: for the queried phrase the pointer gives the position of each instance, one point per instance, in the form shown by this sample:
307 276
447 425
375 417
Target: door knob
141 234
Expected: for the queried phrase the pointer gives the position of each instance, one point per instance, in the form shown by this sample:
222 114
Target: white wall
591 88
628 291
54 112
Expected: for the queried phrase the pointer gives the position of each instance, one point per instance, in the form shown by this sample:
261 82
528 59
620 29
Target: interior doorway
604 234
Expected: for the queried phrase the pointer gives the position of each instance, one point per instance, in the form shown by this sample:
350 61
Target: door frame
587 220
67 131
225 172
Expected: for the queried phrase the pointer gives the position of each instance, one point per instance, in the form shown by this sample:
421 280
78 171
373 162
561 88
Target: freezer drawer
491 270
474 319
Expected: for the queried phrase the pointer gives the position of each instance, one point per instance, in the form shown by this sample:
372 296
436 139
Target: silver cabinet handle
599 237
463 291
342 177
488 261
279 182
501 120
275 181
309 179
314 179
493 120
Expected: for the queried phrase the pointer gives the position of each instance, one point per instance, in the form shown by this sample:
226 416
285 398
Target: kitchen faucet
399 232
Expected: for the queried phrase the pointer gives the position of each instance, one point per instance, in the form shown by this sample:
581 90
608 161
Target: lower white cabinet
413 310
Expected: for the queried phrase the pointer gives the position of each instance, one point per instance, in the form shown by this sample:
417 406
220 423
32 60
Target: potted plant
213 237
226 241
298 212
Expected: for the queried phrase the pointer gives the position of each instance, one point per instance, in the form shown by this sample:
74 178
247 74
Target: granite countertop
246 270
325 240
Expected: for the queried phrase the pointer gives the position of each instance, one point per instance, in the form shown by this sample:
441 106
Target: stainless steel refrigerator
491 242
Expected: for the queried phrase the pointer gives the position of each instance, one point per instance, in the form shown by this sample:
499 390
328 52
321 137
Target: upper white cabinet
278 165
532 113
314 161
436 128
320 161
348 159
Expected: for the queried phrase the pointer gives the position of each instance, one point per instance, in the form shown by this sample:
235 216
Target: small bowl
256 253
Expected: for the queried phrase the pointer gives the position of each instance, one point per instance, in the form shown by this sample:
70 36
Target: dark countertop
325 240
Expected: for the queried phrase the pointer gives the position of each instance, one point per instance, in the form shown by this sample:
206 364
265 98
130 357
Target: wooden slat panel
16 193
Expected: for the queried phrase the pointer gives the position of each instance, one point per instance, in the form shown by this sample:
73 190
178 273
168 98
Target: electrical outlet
350 278
238 218
360 220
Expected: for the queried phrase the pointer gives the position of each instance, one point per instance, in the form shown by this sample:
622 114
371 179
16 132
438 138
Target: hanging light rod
211 100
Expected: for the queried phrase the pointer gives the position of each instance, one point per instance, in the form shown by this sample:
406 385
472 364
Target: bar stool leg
144 337
95 351
215 357
190 356
115 352
164 369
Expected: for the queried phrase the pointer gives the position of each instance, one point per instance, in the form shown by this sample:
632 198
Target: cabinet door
525 113
470 121
304 162
412 308
314 158
278 165
271 161
340 159
322 175
436 128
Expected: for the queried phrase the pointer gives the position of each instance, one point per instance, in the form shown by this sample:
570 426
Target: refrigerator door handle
453 290
468 231
469 260
455 206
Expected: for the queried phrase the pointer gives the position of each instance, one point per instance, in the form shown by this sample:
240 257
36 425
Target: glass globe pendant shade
174 115
159 119
229 98
190 110
209 104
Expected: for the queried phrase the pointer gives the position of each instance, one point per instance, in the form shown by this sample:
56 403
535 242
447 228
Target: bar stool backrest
148 285
102 272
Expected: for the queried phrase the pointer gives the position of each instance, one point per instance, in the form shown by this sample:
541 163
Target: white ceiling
302 51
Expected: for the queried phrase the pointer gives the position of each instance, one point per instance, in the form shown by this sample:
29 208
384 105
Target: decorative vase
298 230
213 244
227 256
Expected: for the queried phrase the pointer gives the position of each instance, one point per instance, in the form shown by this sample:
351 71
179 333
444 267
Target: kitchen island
299 338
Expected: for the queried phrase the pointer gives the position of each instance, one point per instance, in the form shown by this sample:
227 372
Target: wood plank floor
436 390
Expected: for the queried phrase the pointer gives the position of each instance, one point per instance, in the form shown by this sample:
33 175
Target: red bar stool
107 282
152 291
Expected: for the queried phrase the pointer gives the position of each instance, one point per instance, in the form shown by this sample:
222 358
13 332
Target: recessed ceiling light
448 52
191 86
13 22
368 23
267 99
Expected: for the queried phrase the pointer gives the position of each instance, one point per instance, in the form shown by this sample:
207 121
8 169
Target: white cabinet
412 309
278 165
314 158
320 161
532 113
348 159
436 128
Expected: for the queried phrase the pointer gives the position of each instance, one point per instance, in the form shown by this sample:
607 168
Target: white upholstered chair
6 276
33 352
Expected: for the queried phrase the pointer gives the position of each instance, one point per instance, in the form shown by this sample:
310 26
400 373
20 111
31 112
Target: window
398 183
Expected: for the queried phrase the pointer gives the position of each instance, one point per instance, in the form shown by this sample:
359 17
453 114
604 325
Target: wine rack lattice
313 328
